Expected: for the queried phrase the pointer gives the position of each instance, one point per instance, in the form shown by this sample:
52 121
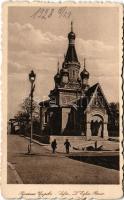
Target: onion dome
71 35
84 73
57 77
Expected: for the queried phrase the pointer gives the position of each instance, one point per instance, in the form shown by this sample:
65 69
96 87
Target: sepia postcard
62 101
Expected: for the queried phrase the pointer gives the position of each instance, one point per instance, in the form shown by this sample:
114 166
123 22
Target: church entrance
97 126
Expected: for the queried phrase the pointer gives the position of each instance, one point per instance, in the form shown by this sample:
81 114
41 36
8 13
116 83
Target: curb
17 177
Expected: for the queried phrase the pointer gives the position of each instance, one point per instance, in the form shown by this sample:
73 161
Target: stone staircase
77 142
72 139
80 142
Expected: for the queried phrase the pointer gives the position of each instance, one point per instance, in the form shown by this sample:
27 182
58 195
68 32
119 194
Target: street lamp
32 77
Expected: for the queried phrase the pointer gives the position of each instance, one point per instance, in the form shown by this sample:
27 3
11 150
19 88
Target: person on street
54 145
95 145
67 146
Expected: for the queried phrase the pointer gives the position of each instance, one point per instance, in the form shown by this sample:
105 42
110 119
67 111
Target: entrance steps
72 139
78 143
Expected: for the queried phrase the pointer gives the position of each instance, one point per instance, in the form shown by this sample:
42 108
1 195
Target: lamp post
32 77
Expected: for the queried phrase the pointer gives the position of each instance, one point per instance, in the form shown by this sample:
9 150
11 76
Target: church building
74 108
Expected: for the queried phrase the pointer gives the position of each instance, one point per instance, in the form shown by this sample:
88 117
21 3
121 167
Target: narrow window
45 117
73 73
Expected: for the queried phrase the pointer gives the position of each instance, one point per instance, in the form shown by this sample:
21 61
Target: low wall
47 139
42 138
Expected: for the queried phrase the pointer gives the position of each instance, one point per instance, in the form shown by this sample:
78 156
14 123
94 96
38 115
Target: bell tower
71 62
67 80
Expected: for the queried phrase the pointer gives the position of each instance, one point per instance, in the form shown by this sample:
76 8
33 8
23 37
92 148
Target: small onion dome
64 72
84 74
57 77
71 35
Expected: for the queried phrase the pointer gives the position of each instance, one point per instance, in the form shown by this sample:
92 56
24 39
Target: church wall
72 122
65 98
43 116
55 121
65 118
80 122
84 126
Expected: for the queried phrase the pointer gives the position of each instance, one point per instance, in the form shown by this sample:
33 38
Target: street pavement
43 167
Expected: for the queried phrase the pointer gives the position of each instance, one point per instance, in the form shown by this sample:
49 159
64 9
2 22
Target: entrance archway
96 126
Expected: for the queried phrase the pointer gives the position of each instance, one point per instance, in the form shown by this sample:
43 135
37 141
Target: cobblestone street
45 168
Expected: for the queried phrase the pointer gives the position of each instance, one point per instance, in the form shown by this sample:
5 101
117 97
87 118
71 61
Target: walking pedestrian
54 145
67 146
95 145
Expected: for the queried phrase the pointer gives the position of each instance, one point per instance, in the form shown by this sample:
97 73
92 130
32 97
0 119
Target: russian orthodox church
74 108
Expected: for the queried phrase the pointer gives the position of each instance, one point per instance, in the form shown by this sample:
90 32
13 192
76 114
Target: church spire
84 73
84 77
71 26
58 67
57 77
71 55
84 63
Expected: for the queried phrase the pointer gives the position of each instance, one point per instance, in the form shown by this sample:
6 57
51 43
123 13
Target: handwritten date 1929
45 13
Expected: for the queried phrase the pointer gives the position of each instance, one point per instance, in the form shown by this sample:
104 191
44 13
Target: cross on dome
58 67
84 63
71 26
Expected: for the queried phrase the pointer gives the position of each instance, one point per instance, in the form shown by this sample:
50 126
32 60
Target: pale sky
35 43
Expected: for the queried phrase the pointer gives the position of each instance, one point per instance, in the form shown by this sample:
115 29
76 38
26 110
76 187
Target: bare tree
114 119
23 116
26 108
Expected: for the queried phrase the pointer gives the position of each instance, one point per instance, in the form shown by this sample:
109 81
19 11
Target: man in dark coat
67 145
54 145
95 145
